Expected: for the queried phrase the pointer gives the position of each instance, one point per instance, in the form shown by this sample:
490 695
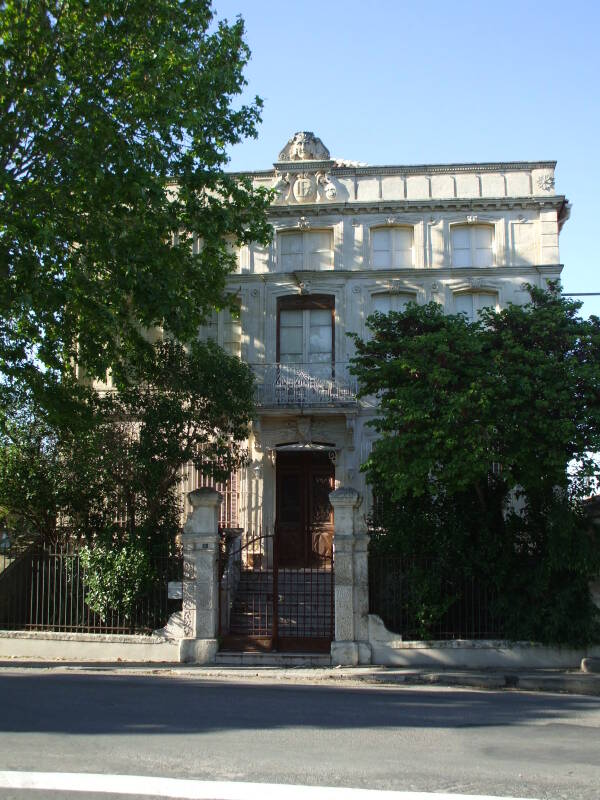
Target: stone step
227 658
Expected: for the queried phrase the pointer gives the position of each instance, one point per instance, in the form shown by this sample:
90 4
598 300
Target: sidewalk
572 682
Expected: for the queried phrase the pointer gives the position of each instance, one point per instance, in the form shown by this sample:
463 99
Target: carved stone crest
304 146
305 187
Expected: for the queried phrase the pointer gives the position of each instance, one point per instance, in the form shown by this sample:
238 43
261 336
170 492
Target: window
304 250
388 301
305 332
225 329
472 245
472 304
392 247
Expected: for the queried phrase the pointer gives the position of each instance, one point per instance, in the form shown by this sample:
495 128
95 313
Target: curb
546 681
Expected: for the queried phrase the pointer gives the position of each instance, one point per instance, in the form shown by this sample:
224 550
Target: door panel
304 514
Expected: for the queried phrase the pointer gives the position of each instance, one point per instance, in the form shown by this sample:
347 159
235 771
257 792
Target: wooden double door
304 521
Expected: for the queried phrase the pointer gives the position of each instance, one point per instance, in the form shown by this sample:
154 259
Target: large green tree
116 214
486 434
119 470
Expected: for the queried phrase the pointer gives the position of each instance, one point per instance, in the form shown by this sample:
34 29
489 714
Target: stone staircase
304 604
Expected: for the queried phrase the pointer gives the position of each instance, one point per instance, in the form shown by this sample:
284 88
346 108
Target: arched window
472 245
391 247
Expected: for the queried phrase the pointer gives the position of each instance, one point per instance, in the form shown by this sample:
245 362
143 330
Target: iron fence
45 588
397 596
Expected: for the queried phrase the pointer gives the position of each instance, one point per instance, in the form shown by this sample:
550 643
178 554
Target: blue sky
391 82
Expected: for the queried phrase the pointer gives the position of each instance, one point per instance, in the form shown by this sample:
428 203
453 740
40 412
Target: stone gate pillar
200 578
351 582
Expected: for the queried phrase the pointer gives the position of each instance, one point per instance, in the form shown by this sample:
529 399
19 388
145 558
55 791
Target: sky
392 82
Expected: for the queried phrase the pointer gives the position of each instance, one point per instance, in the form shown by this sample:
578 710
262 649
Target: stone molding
426 205
416 169
399 274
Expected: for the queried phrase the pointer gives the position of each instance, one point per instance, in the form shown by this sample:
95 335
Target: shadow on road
113 704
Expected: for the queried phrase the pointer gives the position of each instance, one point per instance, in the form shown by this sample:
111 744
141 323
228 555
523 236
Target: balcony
293 385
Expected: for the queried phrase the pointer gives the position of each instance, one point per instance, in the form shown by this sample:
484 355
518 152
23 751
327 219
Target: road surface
439 740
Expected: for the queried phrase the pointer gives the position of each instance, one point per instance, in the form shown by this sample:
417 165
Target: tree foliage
115 212
123 465
486 434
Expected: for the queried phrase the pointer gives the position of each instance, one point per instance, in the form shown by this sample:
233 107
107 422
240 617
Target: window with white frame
392 247
224 328
305 332
473 303
472 245
302 250
384 302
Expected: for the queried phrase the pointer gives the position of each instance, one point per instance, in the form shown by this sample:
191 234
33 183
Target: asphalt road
442 740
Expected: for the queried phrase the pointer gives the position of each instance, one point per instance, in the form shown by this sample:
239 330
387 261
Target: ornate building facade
349 240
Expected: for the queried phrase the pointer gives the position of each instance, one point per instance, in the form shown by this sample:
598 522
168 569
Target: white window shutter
381 240
319 247
461 246
291 252
402 239
291 336
463 303
483 241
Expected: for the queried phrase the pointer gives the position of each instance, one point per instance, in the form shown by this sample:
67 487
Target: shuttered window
472 245
392 247
472 304
385 302
306 250
224 328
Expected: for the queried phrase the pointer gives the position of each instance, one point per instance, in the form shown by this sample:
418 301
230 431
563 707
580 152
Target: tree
486 435
124 465
115 213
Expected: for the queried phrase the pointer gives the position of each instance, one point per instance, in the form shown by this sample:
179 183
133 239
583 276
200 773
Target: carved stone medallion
545 182
305 187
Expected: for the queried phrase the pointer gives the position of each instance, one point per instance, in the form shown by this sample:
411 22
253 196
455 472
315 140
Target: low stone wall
86 647
164 645
388 649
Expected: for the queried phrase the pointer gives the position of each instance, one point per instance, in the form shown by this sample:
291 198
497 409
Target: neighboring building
349 240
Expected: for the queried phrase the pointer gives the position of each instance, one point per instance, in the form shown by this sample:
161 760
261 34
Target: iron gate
264 605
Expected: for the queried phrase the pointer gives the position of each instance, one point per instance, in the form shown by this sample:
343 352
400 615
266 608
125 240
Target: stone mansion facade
349 240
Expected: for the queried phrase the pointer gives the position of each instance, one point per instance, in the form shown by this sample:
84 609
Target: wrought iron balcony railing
280 385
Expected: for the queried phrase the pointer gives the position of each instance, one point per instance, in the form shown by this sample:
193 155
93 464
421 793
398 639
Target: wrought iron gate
264 605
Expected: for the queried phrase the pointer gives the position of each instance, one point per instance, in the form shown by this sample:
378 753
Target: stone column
351 582
200 578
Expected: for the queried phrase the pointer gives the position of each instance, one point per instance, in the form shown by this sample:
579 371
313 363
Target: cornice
429 204
399 169
420 273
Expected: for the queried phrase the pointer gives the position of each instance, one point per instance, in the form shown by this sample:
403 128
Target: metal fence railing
315 384
45 588
396 596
